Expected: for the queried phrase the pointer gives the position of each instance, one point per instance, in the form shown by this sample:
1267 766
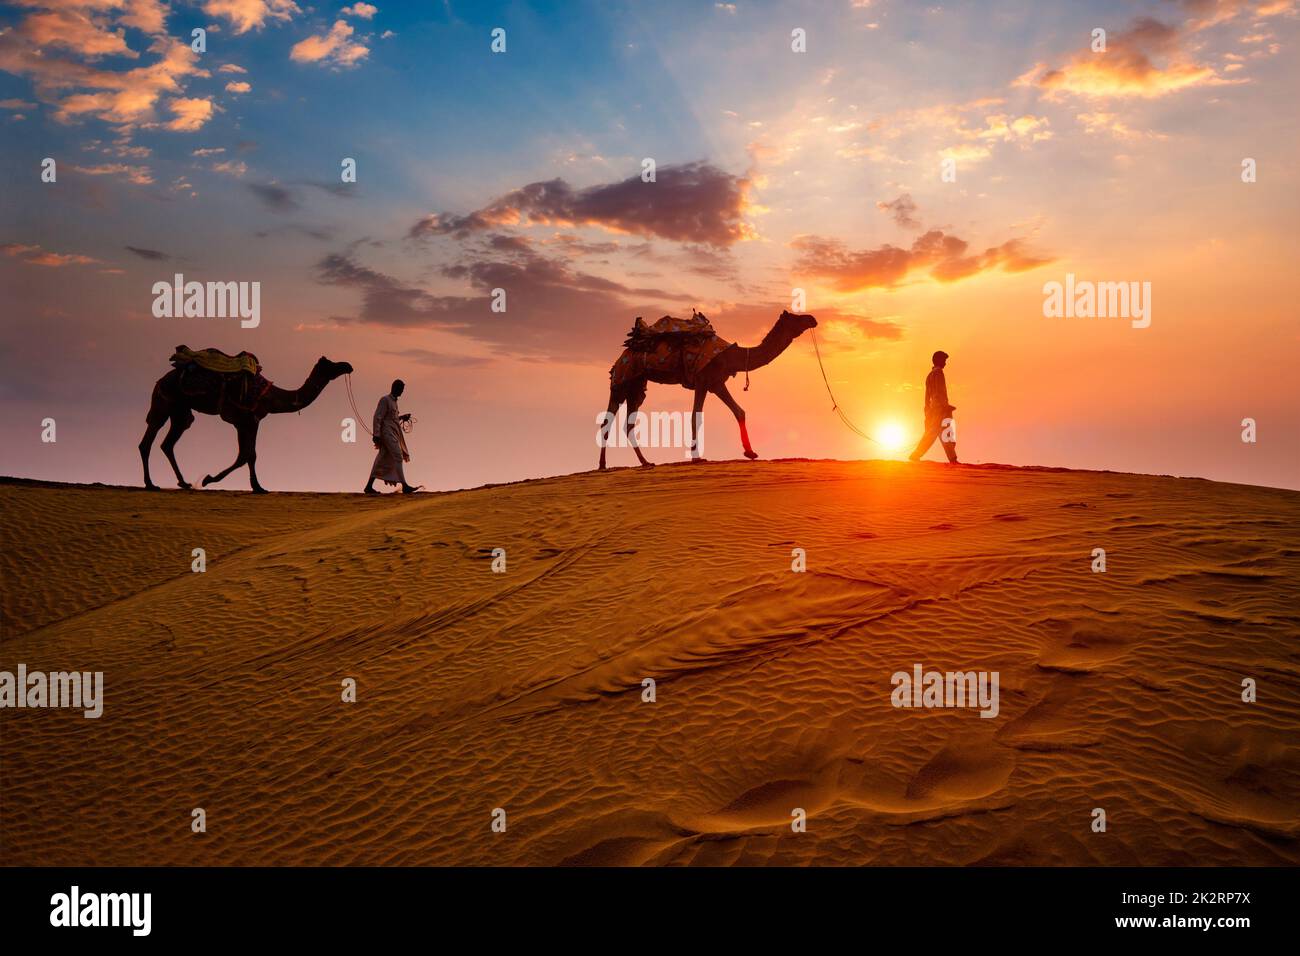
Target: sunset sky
776 170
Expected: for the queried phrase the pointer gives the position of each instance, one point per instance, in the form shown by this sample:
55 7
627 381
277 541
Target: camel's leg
159 412
242 430
249 437
633 406
607 429
697 419
722 393
182 418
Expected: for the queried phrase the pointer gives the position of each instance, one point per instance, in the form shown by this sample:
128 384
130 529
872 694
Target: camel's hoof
150 486
647 464
751 455
698 461
260 491
601 468
207 480
183 484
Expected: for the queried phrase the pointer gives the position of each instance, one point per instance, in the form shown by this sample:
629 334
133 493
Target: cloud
275 198
333 48
903 210
1150 59
231 68
231 167
966 153
36 256
319 233
153 255
943 257
140 175
694 202
73 30
191 114
68 77
238 87
1103 122
363 11
1208 13
549 305
1000 127
148 16
245 15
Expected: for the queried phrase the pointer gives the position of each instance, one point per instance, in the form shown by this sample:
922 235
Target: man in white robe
390 442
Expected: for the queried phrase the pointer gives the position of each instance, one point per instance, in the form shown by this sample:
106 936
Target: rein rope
835 406
406 426
347 380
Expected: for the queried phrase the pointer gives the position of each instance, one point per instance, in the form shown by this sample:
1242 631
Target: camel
710 379
215 396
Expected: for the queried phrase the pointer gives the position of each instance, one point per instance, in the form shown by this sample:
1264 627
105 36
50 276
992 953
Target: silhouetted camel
216 397
712 378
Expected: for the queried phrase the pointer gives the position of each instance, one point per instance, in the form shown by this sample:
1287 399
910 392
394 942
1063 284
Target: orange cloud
73 30
191 114
1147 60
140 175
56 48
245 15
334 47
942 257
36 256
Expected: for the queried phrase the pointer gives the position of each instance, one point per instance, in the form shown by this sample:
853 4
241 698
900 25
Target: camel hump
214 360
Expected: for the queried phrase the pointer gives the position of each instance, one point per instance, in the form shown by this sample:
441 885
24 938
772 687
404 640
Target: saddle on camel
672 346
238 378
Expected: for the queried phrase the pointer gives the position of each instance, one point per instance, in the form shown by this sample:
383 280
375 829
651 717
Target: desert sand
523 690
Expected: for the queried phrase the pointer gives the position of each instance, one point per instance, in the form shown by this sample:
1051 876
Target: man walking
390 442
938 413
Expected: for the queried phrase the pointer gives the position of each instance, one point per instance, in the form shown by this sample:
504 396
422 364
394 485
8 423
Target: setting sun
891 436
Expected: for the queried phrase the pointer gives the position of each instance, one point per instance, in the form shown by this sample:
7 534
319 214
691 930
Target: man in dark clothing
938 413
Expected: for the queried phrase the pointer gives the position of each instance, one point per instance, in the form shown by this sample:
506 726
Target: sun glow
891 436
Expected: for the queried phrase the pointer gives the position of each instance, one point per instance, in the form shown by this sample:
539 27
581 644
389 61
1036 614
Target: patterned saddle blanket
237 379
215 360
671 347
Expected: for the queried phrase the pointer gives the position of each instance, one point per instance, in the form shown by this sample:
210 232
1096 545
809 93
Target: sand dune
523 690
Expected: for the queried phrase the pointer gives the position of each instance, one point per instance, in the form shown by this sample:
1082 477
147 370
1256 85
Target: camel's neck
280 400
773 344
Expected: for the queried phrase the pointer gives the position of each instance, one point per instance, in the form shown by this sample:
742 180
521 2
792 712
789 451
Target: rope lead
835 406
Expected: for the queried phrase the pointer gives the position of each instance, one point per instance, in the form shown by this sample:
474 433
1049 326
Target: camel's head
799 324
332 370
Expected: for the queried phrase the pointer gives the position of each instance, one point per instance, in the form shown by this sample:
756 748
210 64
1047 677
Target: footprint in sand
1081 646
1248 778
959 778
965 769
1049 724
